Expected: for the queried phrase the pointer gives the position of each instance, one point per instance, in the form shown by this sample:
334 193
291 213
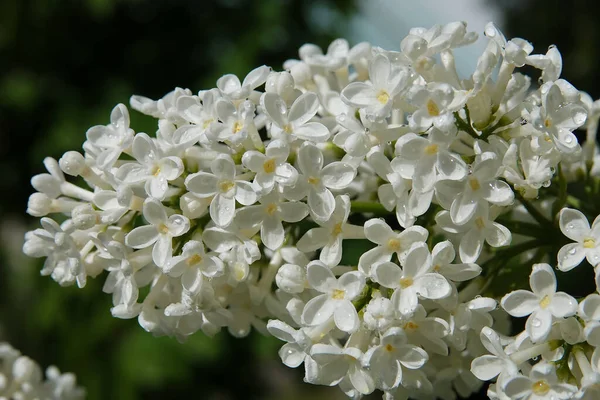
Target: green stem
464 126
535 213
368 207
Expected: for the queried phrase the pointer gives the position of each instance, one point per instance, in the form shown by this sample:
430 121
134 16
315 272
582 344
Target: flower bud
84 216
72 163
39 205
290 278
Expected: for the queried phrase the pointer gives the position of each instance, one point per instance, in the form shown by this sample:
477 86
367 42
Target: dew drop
536 322
551 47
281 106
535 358
579 118
572 251
569 139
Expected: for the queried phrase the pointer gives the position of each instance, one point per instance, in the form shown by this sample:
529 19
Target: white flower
111 140
342 363
271 167
356 136
193 264
544 303
589 311
537 168
442 256
479 229
230 85
336 298
151 168
224 187
387 82
234 121
433 102
560 114
269 214
337 51
541 383
316 181
413 280
427 160
297 348
463 198
398 194
331 233
386 360
389 242
160 232
427 332
488 366
575 226
295 123
22 378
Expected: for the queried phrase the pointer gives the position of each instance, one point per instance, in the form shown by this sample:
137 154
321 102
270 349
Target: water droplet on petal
572 251
281 106
579 117
536 322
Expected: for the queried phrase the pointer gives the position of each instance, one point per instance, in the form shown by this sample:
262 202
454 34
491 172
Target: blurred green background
65 63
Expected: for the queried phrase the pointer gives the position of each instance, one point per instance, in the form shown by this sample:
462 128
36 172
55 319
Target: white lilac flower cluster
22 379
246 207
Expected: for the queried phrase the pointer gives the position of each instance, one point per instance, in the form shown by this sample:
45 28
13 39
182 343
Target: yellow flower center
226 186
540 388
431 149
337 229
288 128
271 208
479 223
239 271
338 294
394 244
313 181
589 243
238 126
545 301
389 347
410 326
406 282
547 122
162 228
156 170
432 108
383 97
207 123
193 260
474 183
269 166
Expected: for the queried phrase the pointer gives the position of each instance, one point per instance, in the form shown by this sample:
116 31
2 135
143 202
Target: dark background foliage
65 63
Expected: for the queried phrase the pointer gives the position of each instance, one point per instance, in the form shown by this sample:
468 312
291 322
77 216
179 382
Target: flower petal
574 224
520 303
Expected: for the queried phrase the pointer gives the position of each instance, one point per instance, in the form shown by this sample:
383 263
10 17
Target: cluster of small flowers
566 335
240 210
21 379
